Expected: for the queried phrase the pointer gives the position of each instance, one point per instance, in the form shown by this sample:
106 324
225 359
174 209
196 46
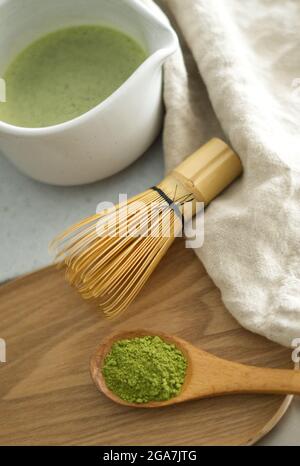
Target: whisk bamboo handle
209 170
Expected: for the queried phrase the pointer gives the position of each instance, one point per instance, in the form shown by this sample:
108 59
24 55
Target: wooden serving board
46 393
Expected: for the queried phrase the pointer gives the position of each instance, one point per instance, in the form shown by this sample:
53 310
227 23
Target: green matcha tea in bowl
83 85
66 73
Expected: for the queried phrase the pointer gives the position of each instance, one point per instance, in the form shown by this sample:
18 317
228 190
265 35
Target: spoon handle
264 380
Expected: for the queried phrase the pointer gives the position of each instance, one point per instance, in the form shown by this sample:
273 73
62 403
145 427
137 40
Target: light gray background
31 214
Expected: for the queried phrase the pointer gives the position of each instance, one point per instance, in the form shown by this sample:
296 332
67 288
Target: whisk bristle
110 255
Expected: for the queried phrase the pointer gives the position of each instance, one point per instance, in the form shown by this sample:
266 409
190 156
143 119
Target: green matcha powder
144 369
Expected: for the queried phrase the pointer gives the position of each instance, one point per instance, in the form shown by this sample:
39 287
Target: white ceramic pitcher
113 134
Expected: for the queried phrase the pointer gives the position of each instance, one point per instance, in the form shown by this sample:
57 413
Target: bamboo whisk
109 256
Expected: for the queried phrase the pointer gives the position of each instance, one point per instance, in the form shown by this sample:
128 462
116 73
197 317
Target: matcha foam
66 73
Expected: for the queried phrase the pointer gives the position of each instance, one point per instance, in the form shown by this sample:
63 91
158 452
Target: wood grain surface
46 393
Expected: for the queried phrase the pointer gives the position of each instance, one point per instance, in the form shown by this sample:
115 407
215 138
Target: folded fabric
237 76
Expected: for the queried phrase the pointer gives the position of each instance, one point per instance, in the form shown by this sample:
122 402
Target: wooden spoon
206 376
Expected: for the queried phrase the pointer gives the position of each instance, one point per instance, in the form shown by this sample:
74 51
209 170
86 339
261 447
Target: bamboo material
112 266
206 376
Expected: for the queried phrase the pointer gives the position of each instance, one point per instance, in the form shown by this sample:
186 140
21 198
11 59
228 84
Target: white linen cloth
237 76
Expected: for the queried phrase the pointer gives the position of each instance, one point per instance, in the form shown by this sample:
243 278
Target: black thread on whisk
171 203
